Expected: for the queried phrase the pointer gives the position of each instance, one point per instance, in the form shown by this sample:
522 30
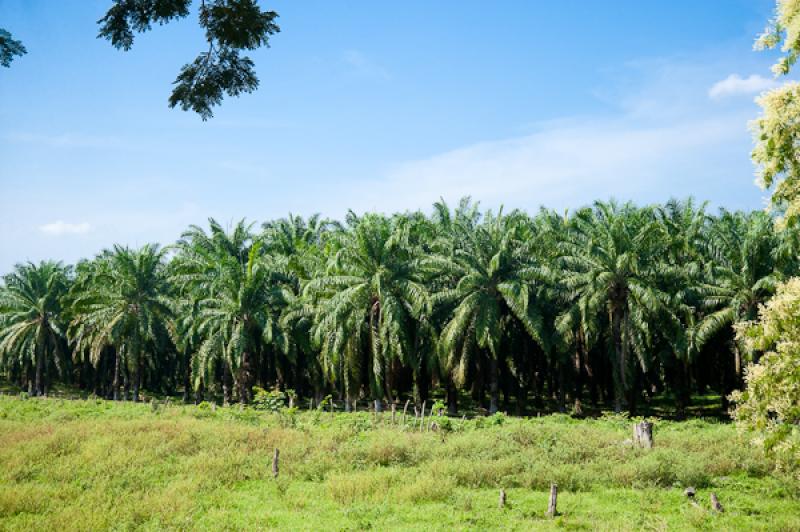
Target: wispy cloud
568 165
61 227
662 140
364 66
736 85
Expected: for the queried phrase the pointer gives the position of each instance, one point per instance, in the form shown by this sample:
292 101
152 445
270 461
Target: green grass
95 465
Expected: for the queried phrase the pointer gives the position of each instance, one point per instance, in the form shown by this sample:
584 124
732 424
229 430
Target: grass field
95 465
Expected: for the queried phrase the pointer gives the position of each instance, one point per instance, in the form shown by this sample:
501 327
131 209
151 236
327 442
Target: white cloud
663 140
571 164
735 84
61 227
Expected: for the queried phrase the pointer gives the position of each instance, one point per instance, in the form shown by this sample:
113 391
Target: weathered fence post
643 434
690 493
404 411
551 507
422 418
502 502
394 409
715 503
275 463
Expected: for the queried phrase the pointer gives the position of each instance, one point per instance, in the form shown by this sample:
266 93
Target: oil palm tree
291 236
494 287
445 233
194 271
296 248
238 296
31 328
238 316
685 231
608 265
744 267
366 304
121 301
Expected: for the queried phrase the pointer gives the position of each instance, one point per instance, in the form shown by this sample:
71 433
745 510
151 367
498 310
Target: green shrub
271 401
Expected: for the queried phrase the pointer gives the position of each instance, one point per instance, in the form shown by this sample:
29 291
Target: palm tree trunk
245 384
494 375
96 384
115 380
420 385
389 382
684 387
562 389
199 394
476 387
578 367
452 397
346 391
126 384
39 371
226 383
619 359
137 378
376 366
505 385
187 377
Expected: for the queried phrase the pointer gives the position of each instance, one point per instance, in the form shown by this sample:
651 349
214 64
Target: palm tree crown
31 327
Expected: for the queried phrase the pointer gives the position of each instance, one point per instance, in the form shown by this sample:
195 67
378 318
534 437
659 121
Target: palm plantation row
611 304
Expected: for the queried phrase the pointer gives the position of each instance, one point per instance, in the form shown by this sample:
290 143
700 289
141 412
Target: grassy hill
94 465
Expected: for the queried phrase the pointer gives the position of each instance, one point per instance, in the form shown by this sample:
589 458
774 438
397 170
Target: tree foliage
121 301
9 48
777 130
770 405
612 306
230 27
32 320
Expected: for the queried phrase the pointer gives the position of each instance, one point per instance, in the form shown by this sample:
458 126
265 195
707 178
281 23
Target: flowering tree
777 131
770 405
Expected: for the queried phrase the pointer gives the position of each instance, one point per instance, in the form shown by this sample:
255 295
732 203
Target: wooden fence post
643 434
502 502
551 506
275 463
394 409
690 493
422 418
715 503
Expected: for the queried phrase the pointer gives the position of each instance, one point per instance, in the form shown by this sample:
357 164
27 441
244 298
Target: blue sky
375 105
